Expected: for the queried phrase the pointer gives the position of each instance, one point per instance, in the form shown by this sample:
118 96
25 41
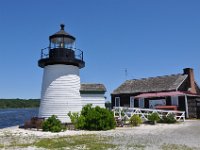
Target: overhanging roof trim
165 94
92 87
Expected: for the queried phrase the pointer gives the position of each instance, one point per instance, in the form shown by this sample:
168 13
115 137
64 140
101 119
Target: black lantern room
61 50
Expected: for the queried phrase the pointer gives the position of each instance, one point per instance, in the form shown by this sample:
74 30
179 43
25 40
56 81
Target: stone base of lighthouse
60 92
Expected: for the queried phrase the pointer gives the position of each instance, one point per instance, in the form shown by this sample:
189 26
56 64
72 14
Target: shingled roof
153 84
92 87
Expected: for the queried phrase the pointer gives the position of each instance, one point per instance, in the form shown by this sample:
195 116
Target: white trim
132 101
144 113
116 100
181 83
186 106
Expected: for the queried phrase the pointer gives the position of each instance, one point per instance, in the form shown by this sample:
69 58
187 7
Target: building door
198 109
141 102
117 101
131 102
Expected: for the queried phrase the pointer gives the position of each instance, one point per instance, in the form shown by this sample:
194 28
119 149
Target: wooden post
186 106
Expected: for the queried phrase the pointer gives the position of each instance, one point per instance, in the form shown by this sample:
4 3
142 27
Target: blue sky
148 37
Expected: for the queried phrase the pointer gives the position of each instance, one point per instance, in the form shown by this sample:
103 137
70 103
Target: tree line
19 103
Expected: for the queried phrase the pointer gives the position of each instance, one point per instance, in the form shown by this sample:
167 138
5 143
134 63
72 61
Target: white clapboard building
92 93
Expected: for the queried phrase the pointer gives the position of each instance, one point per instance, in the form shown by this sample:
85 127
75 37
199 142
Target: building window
117 101
141 102
174 100
157 102
132 102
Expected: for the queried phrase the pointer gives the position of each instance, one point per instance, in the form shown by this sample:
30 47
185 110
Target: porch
182 101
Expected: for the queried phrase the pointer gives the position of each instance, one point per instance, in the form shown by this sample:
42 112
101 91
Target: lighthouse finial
62 26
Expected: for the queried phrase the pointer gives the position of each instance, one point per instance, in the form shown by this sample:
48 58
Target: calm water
13 117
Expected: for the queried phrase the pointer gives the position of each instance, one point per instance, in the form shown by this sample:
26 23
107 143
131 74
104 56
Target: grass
89 142
1 146
73 142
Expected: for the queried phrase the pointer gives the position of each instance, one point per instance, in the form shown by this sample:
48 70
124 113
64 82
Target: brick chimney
191 81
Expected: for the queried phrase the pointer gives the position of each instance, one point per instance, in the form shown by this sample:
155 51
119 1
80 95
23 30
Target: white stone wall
94 99
60 91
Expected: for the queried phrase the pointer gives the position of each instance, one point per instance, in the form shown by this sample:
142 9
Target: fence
126 112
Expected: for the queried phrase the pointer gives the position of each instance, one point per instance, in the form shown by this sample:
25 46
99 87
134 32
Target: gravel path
161 136
186 134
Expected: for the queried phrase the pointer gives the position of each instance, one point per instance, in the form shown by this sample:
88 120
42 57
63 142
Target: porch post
186 106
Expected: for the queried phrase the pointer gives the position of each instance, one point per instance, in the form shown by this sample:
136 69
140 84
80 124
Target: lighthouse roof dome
62 33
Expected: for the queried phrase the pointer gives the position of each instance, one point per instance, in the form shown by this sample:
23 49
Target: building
93 94
178 90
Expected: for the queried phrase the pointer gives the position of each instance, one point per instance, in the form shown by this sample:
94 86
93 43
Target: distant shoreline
18 108
19 103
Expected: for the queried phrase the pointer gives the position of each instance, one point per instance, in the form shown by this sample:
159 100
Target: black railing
45 53
78 53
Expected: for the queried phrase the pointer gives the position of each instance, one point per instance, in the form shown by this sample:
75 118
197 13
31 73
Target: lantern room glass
62 42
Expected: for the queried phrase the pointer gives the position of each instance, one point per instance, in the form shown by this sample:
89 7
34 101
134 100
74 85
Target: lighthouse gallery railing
78 53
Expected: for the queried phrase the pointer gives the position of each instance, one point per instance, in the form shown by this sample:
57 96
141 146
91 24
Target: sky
147 38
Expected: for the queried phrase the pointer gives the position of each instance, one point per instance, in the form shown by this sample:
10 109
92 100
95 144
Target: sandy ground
152 136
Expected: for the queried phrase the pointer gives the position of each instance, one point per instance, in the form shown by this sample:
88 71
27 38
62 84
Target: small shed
93 93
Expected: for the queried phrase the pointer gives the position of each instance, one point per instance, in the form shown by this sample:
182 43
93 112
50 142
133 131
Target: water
13 117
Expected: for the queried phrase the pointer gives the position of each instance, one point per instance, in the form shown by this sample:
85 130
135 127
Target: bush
93 118
168 119
52 124
154 117
135 120
77 120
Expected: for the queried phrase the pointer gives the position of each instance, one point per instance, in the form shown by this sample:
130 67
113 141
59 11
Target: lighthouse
61 63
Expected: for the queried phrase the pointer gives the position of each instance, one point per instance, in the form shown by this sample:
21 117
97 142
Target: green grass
1 146
175 147
89 142
72 142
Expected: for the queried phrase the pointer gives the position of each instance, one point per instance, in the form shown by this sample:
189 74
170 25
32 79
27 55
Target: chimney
191 81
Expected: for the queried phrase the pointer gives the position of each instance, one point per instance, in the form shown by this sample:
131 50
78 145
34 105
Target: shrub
135 120
168 119
77 120
93 118
154 117
52 124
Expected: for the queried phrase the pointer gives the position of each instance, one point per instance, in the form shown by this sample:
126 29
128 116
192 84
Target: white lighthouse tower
61 82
